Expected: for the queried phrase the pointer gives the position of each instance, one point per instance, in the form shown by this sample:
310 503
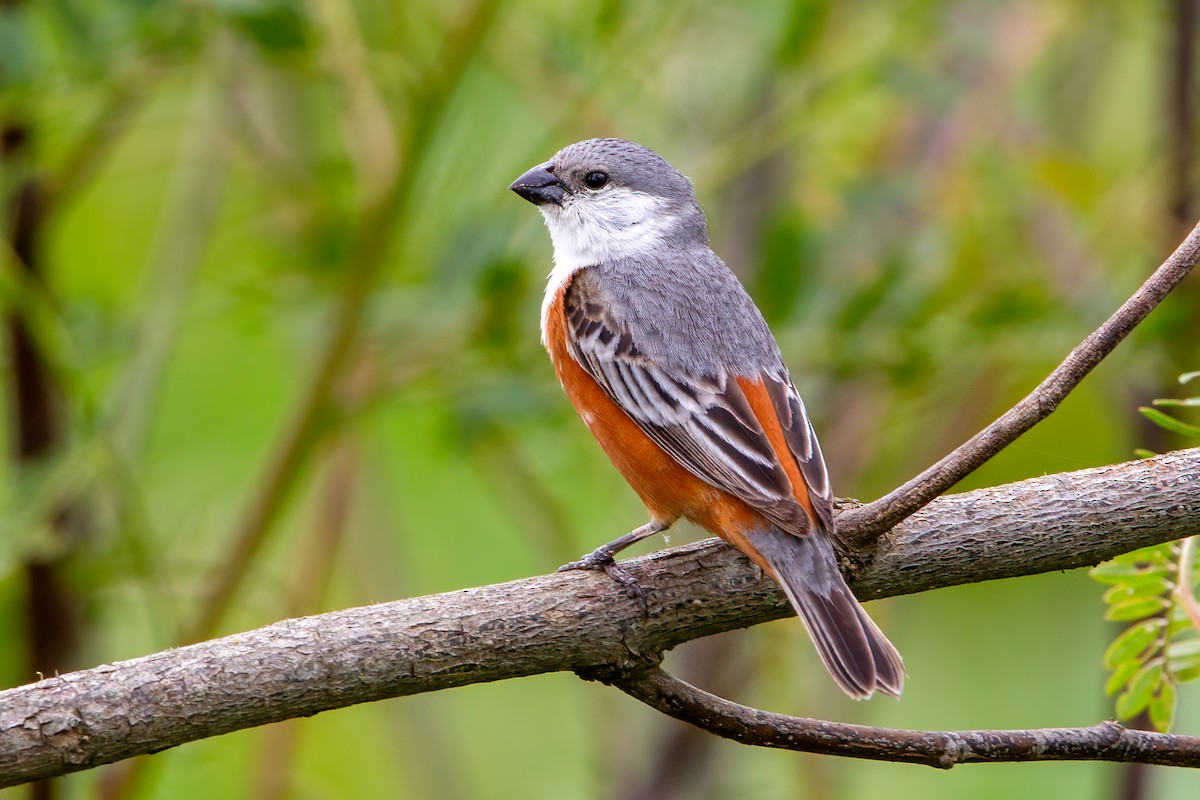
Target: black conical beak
539 186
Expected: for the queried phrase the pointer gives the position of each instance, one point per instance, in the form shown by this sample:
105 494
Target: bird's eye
596 180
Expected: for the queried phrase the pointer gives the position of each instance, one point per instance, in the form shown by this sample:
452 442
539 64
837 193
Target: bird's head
606 199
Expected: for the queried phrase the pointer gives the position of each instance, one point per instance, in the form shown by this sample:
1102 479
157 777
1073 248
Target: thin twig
1108 741
864 524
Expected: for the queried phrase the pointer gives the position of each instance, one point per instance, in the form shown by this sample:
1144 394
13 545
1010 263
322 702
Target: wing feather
802 441
703 421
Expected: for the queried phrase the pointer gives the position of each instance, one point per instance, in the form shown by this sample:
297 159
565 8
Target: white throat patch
601 227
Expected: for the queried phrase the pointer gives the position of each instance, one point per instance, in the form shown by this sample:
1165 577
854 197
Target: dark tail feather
856 653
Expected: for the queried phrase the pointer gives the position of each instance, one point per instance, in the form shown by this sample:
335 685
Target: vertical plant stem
179 247
1185 589
51 609
384 219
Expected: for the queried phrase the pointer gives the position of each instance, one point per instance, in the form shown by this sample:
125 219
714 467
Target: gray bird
673 369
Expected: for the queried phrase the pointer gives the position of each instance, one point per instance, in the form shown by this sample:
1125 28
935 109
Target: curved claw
598 559
602 558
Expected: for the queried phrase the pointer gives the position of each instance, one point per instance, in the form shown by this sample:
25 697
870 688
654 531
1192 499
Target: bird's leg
603 555
602 558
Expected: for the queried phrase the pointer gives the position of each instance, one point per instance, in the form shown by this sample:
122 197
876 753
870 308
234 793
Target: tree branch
1108 741
862 525
568 621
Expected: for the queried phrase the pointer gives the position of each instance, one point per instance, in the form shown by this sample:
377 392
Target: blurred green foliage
291 311
1169 422
1155 589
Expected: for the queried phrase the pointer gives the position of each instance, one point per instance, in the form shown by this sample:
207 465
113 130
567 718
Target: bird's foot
603 559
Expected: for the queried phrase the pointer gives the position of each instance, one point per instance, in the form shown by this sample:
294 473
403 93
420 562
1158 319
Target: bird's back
688 311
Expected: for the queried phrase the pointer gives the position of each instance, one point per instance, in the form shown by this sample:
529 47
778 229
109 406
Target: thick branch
1108 741
864 524
568 621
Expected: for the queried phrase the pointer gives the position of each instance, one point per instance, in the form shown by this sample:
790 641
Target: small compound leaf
1141 690
1121 675
1187 674
1169 423
1162 707
1183 656
1149 585
1187 648
1117 572
1173 401
1132 643
1126 705
1137 608
1155 556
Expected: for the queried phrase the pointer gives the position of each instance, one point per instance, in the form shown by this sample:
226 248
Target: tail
855 651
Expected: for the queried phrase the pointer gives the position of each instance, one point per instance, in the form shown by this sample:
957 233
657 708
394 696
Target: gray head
606 199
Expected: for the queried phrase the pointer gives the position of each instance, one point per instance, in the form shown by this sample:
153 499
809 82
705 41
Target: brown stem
51 608
1108 741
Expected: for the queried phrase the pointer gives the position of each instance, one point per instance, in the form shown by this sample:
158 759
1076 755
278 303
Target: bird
673 369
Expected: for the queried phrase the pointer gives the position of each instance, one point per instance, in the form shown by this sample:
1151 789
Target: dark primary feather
802 441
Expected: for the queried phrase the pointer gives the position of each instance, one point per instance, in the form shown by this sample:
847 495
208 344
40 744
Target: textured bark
568 621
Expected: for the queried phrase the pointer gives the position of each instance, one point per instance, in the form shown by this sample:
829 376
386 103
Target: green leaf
1162 707
1152 584
1111 571
1121 675
1183 656
1186 675
277 27
1126 708
1151 579
1117 593
1137 608
1172 401
1168 422
1153 554
1142 452
1141 690
1132 643
1185 649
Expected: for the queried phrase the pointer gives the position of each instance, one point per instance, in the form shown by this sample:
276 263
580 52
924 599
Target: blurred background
272 347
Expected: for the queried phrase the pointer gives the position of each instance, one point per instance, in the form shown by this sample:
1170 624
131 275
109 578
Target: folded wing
706 422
